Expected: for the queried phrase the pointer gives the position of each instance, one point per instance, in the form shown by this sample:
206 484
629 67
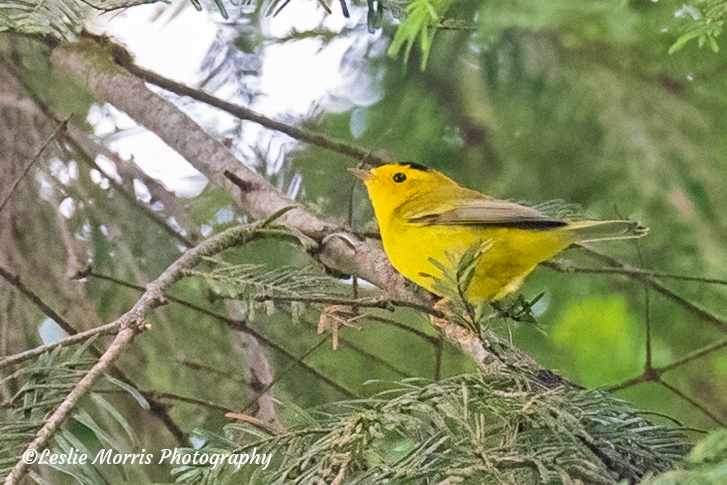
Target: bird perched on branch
436 231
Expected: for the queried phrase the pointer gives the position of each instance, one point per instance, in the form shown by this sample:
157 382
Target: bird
429 224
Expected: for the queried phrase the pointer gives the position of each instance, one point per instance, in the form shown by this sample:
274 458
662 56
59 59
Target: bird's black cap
416 166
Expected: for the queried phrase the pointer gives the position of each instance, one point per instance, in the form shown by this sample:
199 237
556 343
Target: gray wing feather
488 212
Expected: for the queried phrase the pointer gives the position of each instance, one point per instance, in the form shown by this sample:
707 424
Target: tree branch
75 336
133 322
14 280
653 374
73 339
91 62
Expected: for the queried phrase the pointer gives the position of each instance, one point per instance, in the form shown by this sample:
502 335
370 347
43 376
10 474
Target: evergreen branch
134 321
237 323
52 424
240 326
56 133
157 409
505 428
125 60
358 303
245 282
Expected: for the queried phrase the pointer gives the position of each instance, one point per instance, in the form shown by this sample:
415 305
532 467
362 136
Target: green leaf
131 390
422 16
117 416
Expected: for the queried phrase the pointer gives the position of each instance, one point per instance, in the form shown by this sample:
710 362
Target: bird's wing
485 212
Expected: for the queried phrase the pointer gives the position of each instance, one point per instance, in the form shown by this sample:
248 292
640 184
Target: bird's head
392 185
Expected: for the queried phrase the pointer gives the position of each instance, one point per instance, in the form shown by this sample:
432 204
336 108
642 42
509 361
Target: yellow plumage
424 215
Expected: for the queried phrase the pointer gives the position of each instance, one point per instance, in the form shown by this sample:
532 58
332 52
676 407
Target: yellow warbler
425 216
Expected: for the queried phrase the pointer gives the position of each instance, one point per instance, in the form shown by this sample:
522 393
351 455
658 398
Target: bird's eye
399 177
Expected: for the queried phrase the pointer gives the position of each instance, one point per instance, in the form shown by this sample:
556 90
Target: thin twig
124 59
387 321
195 366
282 374
630 271
131 198
635 273
694 355
14 280
438 348
60 128
189 400
694 403
647 310
653 374
74 339
157 395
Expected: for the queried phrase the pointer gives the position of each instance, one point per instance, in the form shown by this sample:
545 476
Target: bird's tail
587 231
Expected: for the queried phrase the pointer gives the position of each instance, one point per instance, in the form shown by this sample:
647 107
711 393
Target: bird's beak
364 175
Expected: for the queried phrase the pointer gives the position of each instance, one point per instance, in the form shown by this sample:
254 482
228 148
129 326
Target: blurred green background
530 101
